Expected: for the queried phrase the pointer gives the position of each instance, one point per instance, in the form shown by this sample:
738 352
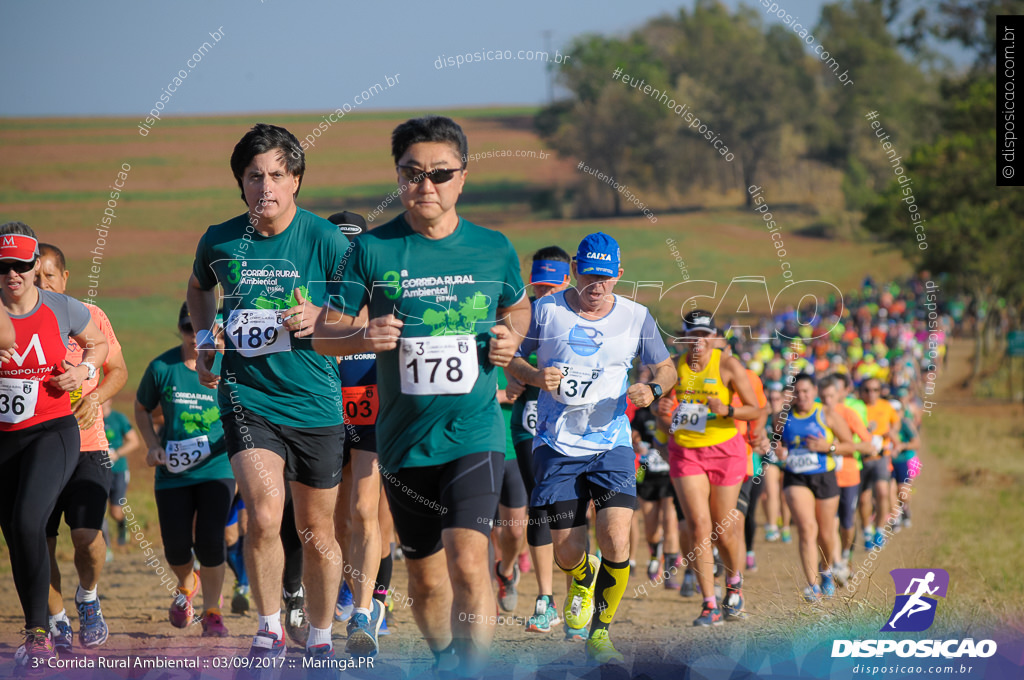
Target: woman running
39 438
194 483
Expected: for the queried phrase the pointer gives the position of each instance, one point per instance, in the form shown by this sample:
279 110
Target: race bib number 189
444 364
17 399
255 332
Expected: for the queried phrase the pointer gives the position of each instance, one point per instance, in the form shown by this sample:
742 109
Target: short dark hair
552 253
827 381
261 139
56 253
803 376
845 379
17 228
429 129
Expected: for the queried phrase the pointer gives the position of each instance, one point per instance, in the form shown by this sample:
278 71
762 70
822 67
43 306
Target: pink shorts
725 464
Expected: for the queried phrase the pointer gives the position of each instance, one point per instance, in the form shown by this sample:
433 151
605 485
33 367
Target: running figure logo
914 610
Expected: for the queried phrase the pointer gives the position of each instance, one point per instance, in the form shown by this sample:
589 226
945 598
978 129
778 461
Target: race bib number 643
445 364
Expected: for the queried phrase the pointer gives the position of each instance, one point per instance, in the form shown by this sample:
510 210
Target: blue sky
115 58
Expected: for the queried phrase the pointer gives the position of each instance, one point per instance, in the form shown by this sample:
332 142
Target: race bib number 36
443 364
255 332
186 453
17 399
692 417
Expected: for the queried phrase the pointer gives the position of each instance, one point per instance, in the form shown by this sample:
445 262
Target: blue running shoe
879 539
828 586
62 637
383 627
92 629
709 616
732 605
265 645
343 608
812 593
320 663
363 630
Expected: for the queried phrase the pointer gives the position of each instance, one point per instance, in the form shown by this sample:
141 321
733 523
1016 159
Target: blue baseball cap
549 273
598 255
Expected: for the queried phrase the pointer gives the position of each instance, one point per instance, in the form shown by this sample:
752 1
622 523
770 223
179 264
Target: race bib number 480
17 399
444 364
255 332
186 453
692 417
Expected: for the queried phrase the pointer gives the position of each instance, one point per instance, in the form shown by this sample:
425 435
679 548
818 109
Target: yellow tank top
697 388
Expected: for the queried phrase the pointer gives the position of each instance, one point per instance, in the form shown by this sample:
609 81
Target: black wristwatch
655 389
731 411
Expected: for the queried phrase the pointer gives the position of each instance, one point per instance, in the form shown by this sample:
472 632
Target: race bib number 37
186 453
443 364
17 399
255 332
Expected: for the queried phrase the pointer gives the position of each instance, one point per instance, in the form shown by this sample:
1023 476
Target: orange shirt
849 475
743 426
95 438
883 421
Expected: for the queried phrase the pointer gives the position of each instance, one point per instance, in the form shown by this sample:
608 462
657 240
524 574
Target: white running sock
62 616
84 595
272 624
360 610
318 636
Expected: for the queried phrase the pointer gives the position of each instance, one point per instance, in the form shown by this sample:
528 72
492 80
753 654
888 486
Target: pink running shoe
181 612
213 624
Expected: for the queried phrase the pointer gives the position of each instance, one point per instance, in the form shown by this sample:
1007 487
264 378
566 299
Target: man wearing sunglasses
883 424
446 306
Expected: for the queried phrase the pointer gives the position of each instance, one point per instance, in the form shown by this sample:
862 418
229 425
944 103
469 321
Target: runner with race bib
549 274
445 303
586 339
282 414
708 459
194 484
39 437
815 438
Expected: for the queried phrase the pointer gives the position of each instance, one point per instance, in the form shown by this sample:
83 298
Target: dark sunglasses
436 176
20 267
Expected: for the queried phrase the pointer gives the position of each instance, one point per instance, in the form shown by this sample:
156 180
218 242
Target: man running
83 502
39 436
276 395
883 424
586 339
445 303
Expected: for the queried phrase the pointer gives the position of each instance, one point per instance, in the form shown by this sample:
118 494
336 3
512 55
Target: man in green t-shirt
445 306
280 401
123 439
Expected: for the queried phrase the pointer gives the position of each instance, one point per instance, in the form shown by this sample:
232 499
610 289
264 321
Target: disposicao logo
912 612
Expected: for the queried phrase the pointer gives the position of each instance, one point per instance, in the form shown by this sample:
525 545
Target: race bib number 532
184 454
443 364
255 332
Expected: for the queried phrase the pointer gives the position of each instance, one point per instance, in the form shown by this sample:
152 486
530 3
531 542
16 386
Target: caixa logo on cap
917 599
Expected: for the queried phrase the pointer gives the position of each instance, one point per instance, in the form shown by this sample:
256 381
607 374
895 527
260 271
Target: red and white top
27 397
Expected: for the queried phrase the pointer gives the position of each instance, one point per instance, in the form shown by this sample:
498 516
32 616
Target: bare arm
144 420
736 376
115 375
202 310
664 372
95 344
508 333
7 334
338 334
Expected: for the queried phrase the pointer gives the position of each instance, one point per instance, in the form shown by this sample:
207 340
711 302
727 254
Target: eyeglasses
416 175
19 267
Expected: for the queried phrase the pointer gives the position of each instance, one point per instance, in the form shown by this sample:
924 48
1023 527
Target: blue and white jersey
587 413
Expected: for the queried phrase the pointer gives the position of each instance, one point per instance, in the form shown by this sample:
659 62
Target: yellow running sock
612 579
582 572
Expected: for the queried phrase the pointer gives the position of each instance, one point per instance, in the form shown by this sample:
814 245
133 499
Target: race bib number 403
361 404
255 332
17 399
444 364
184 454
692 417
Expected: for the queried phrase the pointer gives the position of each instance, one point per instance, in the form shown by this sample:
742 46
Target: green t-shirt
524 412
506 413
445 287
116 426
907 434
286 386
190 412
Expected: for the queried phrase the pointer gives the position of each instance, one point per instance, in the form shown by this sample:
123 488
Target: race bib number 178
444 364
